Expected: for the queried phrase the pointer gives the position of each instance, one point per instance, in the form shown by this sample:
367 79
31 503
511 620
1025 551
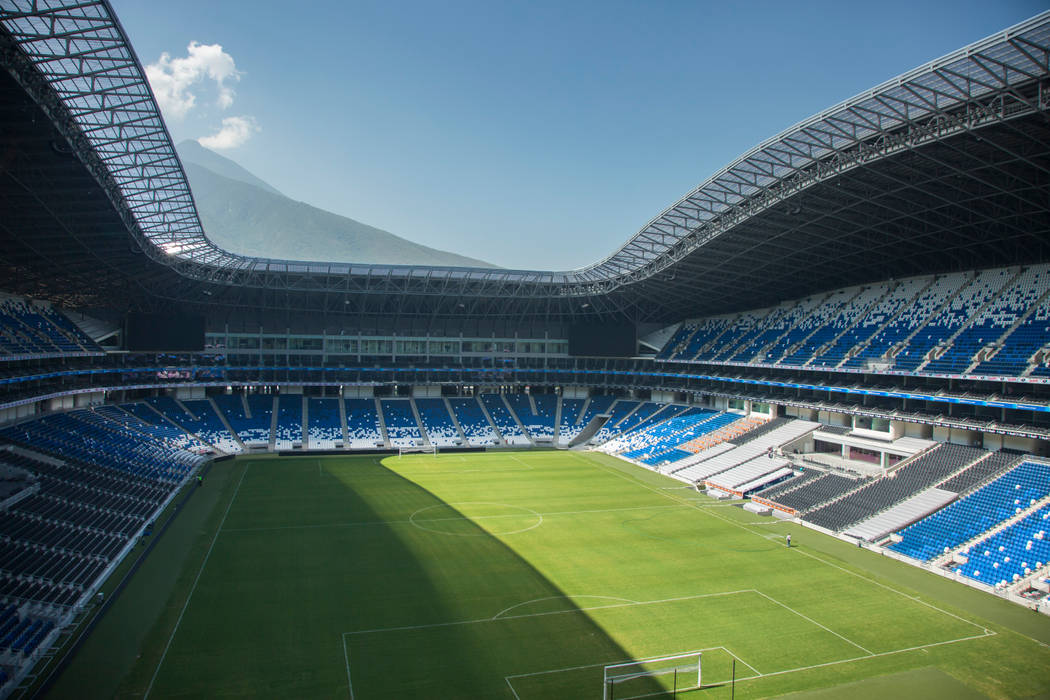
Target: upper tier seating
763 347
476 428
844 318
700 335
323 426
914 314
992 322
796 346
855 339
362 423
28 329
987 326
289 429
951 318
976 513
676 343
438 423
740 329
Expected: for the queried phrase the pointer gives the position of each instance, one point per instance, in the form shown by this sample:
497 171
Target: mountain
193 152
243 214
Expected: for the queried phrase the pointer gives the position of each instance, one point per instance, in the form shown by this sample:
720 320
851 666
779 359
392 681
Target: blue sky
532 135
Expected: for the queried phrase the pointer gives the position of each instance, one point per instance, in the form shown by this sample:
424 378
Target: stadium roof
945 167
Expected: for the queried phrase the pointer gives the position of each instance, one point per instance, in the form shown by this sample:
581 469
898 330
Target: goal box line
647 668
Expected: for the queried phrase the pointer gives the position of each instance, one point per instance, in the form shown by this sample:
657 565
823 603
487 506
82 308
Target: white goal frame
610 677
417 449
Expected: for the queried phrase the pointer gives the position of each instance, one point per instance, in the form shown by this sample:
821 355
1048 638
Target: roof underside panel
945 167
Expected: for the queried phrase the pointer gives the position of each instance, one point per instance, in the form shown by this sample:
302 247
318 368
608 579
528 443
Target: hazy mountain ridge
245 215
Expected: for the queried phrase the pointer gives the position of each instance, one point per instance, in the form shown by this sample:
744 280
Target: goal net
416 449
652 676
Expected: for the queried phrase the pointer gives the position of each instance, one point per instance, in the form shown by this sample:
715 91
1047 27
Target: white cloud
175 81
234 132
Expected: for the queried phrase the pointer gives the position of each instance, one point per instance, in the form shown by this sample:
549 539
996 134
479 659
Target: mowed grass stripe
313 549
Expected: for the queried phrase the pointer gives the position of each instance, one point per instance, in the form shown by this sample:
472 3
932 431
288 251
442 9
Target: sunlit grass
521 574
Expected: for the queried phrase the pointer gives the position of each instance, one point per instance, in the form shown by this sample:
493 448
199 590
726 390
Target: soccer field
522 574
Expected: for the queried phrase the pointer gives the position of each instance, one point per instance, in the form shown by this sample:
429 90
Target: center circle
475 519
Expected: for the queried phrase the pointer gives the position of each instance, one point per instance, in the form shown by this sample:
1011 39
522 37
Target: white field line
708 511
346 659
193 589
561 597
456 623
626 661
524 464
864 658
737 657
812 621
758 674
366 523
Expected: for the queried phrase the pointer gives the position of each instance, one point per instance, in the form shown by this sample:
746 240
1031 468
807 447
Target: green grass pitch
521 574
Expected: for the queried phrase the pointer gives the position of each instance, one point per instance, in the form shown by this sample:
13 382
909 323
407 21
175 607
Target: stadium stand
988 325
476 427
915 475
30 329
437 422
100 480
141 417
650 444
759 442
570 412
816 347
618 411
976 513
324 427
943 325
1012 552
503 419
198 417
362 423
992 322
288 430
535 413
824 488
793 348
401 426
253 431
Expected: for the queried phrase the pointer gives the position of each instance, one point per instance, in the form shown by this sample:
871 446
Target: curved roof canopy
76 61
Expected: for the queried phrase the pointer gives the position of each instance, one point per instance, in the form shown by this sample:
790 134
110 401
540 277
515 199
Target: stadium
791 438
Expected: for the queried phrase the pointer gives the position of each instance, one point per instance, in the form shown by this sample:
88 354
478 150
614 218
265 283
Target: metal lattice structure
988 101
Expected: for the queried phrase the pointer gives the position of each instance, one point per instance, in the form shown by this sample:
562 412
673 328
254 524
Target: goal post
416 449
635 679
